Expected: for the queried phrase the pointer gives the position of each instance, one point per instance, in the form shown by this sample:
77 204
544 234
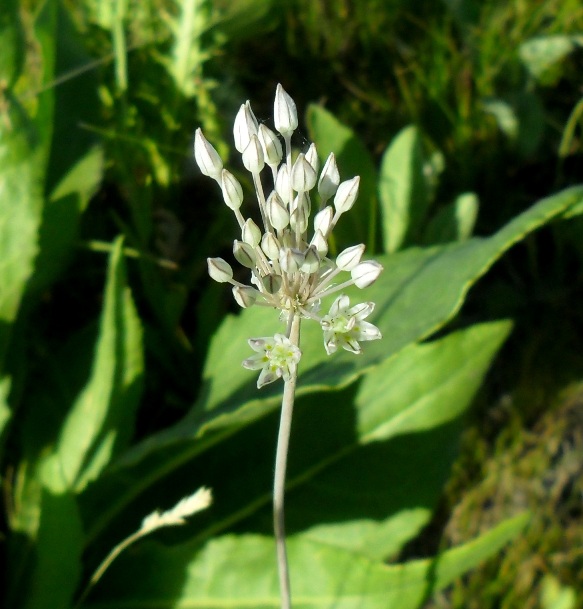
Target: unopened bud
350 257
245 296
311 260
320 243
271 145
329 179
270 246
272 283
206 157
303 176
285 113
290 260
346 195
244 254
282 185
276 211
323 220
219 270
366 273
253 155
244 127
312 157
251 233
231 189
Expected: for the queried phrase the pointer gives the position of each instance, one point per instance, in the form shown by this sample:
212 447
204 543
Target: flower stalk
289 264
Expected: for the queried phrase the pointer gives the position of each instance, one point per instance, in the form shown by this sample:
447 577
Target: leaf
403 191
11 43
455 222
419 291
239 572
61 217
101 420
330 135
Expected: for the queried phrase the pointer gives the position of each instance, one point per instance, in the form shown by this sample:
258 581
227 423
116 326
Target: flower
344 327
288 258
276 357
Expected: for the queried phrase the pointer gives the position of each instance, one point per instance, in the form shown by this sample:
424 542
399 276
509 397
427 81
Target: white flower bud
329 179
320 243
312 158
277 212
206 157
253 155
366 273
251 233
231 189
244 127
244 254
299 217
346 195
285 113
290 260
219 270
272 283
311 261
282 185
245 296
303 177
271 145
350 257
270 246
323 220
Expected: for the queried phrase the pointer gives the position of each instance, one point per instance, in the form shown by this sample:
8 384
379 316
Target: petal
266 376
367 331
255 362
351 344
362 310
339 305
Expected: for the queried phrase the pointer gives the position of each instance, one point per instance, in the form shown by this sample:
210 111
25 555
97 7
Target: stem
287 405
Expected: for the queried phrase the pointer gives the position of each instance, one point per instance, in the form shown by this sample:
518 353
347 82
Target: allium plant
288 263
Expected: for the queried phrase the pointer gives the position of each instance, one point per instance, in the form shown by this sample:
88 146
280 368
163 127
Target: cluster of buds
289 264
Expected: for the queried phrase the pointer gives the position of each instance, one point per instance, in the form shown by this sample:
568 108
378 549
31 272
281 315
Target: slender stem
287 406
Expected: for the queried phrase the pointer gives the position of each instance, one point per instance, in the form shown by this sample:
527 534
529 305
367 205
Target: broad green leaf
101 420
330 135
403 191
61 217
455 222
419 291
239 572
58 544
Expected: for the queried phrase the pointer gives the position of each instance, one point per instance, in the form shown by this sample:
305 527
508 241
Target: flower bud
311 261
350 257
329 179
244 254
282 185
285 113
299 217
320 243
312 158
303 177
206 157
245 296
290 260
244 127
346 195
323 220
219 270
231 189
366 273
272 283
276 211
270 246
253 155
271 145
251 233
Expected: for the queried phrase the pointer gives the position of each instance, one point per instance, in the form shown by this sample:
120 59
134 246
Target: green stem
287 405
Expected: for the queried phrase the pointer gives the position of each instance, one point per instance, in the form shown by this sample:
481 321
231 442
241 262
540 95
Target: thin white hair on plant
288 262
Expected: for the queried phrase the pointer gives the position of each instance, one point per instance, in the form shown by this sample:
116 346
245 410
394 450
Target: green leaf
419 291
61 217
455 222
239 572
11 43
101 421
330 135
403 191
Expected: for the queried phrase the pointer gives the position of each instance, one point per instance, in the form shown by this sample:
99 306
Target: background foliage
120 381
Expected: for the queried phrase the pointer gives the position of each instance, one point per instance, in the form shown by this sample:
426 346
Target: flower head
288 257
345 327
276 357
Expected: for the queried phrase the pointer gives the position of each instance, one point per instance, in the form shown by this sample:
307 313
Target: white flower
344 327
276 357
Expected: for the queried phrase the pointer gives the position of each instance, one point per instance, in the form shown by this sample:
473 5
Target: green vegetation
440 469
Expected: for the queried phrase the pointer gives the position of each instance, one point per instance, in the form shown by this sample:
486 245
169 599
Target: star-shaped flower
276 357
345 327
